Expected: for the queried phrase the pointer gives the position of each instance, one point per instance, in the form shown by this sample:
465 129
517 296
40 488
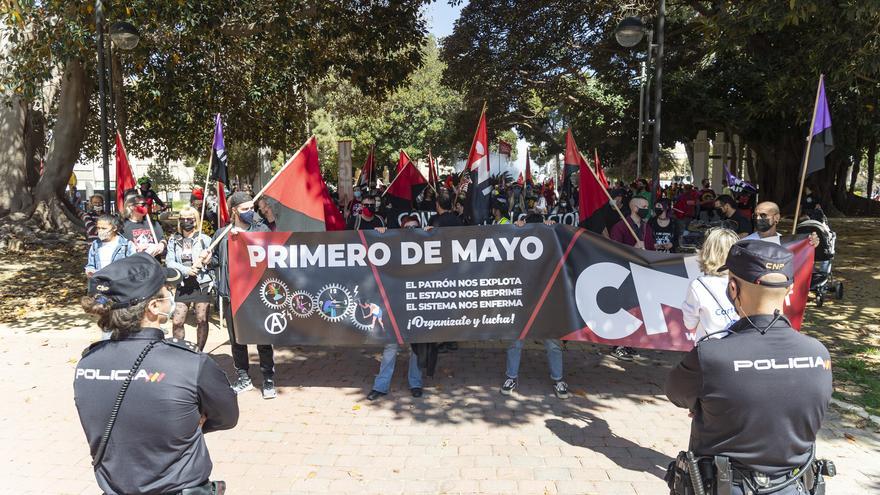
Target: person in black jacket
173 394
241 209
759 394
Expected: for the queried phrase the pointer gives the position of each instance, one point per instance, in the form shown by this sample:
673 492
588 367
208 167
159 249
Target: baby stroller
822 280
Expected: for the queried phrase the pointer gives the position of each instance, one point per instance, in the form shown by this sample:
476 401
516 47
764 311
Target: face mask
105 236
188 224
729 297
357 195
658 211
171 307
643 212
367 210
247 217
96 208
563 205
719 212
140 210
763 224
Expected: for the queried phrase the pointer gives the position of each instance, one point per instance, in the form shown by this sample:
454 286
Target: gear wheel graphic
302 304
334 302
274 293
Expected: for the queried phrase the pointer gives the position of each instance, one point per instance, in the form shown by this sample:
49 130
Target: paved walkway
614 436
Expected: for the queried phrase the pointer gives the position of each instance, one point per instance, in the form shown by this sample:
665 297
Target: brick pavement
614 436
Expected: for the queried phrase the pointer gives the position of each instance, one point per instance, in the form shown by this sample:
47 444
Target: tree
415 117
748 68
161 178
254 61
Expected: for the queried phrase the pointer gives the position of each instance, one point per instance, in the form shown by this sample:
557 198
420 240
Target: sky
441 19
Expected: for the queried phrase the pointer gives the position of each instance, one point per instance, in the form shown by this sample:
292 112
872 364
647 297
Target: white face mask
172 305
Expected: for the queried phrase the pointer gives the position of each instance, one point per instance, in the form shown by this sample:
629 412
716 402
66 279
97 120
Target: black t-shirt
665 235
738 223
139 232
358 223
445 219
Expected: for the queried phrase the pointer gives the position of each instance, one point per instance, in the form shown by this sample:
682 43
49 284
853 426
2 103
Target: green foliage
162 178
749 68
251 60
414 118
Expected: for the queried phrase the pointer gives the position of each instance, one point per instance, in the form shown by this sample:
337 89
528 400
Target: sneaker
416 392
620 353
269 391
560 388
632 352
243 383
508 386
374 394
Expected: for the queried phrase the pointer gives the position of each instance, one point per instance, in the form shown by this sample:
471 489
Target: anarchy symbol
275 323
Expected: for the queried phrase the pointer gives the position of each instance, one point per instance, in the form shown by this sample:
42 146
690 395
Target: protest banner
465 283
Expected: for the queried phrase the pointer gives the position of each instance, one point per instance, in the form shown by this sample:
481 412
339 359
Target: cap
197 193
238 198
752 259
131 280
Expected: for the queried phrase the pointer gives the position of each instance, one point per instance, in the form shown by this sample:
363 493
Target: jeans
554 358
240 352
382 383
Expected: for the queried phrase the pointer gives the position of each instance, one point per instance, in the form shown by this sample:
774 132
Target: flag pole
225 231
205 191
610 200
797 208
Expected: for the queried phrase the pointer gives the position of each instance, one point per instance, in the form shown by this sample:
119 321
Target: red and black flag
476 208
219 171
298 196
821 141
433 177
407 185
529 179
124 177
368 171
572 163
591 193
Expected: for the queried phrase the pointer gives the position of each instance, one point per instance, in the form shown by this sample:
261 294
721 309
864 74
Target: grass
860 378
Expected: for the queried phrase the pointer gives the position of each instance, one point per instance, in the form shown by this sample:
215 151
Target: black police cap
752 259
131 280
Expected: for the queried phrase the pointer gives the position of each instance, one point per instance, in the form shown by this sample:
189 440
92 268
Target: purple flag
821 140
736 184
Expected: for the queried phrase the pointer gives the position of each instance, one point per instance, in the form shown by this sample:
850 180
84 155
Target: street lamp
126 37
629 33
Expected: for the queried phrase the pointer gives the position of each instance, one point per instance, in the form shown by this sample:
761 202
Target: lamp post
629 33
125 36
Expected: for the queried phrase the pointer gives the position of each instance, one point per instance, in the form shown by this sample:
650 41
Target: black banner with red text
465 283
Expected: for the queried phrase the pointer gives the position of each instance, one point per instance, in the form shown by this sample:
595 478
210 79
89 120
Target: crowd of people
133 295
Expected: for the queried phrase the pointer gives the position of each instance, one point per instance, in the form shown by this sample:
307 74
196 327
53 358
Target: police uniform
156 445
759 394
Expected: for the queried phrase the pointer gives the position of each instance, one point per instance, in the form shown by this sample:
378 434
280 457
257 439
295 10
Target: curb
858 411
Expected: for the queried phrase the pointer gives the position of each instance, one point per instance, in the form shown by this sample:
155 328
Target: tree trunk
872 158
857 164
119 108
49 212
13 188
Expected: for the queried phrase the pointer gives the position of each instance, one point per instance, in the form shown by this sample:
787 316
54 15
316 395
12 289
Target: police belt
716 475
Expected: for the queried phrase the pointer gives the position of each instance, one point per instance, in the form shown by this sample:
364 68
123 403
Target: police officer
144 402
758 395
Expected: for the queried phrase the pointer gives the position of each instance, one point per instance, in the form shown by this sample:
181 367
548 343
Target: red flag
591 193
408 183
433 177
599 170
529 179
571 162
124 177
519 180
477 204
298 195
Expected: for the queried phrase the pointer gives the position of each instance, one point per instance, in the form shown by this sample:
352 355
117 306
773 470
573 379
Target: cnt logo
118 375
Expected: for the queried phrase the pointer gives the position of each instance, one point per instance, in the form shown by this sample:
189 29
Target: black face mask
643 212
763 225
720 212
187 224
729 297
658 211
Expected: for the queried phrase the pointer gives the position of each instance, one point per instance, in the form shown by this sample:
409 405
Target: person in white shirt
706 309
766 222
109 246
